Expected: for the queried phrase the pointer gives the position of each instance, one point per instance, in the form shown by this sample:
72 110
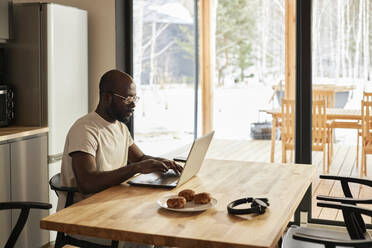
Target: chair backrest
367 96
319 123
359 237
327 95
366 114
287 130
62 239
355 229
25 209
366 119
55 184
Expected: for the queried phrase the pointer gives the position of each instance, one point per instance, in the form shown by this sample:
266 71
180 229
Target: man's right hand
151 165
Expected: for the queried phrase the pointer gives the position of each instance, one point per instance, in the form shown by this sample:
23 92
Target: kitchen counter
15 132
24 177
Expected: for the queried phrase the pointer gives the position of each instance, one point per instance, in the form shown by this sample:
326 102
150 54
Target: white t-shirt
107 142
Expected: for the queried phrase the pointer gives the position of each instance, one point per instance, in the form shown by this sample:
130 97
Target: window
164 71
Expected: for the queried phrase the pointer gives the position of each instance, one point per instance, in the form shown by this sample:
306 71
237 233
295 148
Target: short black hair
108 80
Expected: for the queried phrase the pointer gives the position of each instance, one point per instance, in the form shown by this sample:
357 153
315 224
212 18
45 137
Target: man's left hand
172 165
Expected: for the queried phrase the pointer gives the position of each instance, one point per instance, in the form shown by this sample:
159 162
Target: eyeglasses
127 100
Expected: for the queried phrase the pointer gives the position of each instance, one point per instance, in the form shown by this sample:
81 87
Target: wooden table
132 214
336 88
352 117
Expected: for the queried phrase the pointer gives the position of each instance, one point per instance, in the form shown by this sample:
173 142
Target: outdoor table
350 118
336 88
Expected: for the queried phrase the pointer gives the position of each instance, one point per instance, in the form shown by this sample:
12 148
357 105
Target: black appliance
6 105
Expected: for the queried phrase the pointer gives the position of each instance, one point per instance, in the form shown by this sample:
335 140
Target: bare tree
137 44
359 38
366 40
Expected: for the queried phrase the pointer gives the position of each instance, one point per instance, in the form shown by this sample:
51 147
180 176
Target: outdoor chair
327 95
22 219
367 97
320 129
287 128
321 132
62 238
366 134
356 234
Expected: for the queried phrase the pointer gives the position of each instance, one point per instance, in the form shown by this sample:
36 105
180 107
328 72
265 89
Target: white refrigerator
48 68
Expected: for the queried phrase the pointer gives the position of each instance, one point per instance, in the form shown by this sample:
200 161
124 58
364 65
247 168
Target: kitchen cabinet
24 161
5 215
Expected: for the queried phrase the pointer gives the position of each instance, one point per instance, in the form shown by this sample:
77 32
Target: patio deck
343 164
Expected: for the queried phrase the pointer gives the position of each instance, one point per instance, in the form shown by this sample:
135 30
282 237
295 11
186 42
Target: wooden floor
343 164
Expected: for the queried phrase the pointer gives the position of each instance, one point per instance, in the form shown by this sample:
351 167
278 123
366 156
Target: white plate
189 207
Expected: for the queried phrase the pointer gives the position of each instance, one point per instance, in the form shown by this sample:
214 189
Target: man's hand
172 165
151 165
135 155
157 165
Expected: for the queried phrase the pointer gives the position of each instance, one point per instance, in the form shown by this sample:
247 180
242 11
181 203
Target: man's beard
124 119
114 114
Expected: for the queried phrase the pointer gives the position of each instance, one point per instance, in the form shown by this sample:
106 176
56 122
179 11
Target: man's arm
135 155
89 180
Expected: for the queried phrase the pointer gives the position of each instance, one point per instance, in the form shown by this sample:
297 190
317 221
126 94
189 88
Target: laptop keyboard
169 174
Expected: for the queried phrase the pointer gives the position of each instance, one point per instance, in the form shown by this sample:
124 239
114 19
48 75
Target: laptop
170 179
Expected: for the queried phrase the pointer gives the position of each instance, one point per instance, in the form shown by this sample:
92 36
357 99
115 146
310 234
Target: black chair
356 235
362 241
25 210
62 238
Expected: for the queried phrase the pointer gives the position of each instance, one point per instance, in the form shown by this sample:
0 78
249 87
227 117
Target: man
99 145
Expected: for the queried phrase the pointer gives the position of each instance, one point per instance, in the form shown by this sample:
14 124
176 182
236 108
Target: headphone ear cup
254 204
261 209
266 201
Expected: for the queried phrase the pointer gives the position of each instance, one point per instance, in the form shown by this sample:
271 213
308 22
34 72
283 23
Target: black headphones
258 205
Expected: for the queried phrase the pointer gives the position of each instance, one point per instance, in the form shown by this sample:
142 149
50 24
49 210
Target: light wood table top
332 113
344 114
132 214
14 132
336 88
